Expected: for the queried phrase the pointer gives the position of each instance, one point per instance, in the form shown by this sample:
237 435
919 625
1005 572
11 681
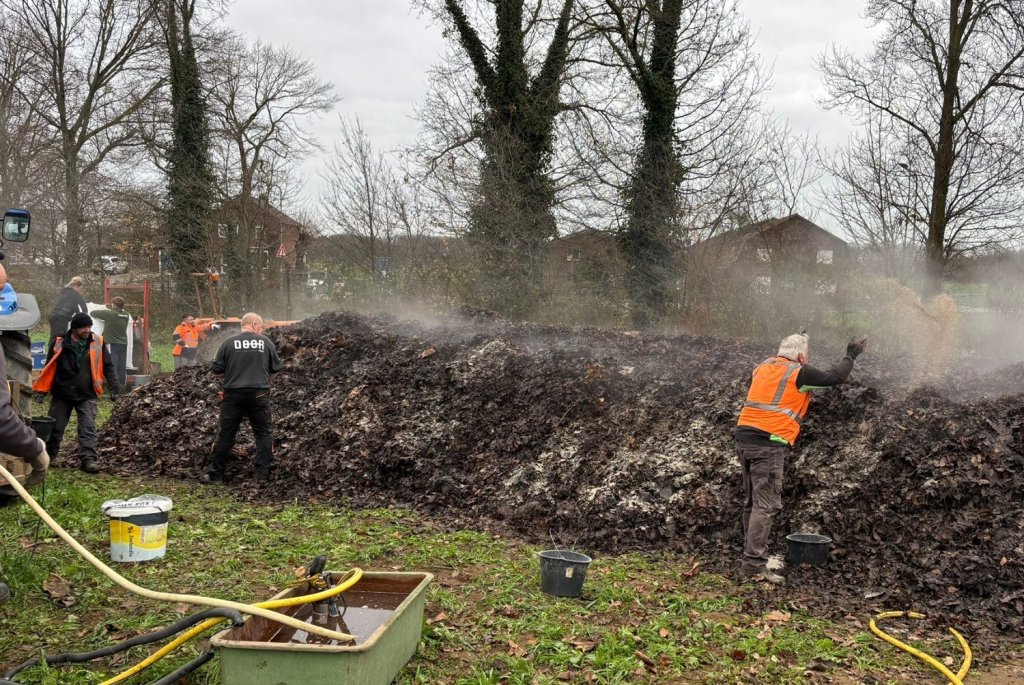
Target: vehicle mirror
16 225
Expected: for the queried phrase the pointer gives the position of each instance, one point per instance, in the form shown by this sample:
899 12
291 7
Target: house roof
768 230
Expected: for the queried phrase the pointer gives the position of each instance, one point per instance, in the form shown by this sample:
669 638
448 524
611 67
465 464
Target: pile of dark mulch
610 441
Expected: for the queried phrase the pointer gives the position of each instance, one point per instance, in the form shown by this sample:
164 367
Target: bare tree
260 99
26 145
949 74
92 66
694 74
511 217
876 198
360 199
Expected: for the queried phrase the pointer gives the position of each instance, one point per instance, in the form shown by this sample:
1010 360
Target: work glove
40 465
215 327
855 347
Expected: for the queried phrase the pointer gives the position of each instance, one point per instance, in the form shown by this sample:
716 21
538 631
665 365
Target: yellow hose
954 678
167 596
347 581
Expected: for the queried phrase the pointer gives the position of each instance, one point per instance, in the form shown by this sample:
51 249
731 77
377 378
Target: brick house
771 257
589 259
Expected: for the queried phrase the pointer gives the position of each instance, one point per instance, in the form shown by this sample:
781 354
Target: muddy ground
611 441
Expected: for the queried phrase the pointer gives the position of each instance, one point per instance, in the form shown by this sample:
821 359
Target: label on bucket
568 572
138 527
132 539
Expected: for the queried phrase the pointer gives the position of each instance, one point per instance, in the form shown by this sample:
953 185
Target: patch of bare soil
611 441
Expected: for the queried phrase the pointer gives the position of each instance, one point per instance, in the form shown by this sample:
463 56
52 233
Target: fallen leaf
648 661
437 619
778 616
515 650
664 632
427 352
59 590
583 645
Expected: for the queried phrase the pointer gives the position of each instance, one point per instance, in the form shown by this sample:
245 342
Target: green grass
641 620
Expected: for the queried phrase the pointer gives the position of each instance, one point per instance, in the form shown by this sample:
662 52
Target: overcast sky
377 53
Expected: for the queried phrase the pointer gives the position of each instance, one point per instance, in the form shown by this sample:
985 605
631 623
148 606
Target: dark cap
80 320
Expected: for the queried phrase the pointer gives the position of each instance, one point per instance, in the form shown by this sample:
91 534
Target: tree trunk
651 196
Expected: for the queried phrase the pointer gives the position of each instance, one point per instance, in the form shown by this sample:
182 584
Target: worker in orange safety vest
769 423
187 336
74 377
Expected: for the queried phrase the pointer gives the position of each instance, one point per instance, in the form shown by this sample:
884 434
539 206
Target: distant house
273 234
775 256
589 258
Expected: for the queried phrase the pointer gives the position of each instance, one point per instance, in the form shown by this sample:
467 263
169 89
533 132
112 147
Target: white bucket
138 527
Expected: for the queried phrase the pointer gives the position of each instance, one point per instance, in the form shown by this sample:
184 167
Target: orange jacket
190 335
45 381
774 404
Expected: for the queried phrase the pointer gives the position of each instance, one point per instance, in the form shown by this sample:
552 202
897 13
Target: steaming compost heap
611 441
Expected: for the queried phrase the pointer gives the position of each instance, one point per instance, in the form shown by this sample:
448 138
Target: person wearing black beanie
77 370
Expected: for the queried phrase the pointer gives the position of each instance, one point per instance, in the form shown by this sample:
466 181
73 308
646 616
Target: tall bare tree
26 146
511 217
876 198
190 182
261 97
93 64
950 74
359 199
693 69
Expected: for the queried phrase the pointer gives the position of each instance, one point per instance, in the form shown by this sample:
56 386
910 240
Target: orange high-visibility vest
45 381
190 334
774 404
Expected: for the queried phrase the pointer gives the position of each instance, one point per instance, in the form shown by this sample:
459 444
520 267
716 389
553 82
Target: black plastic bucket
562 572
43 426
808 548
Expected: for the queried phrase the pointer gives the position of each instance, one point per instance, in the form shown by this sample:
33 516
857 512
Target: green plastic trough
384 611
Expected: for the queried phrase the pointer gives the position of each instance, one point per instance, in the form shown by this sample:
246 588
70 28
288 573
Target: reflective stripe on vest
782 415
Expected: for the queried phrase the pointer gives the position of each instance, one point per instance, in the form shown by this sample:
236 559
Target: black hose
173 629
171 678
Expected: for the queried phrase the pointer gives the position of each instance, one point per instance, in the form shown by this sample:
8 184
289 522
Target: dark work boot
90 465
212 477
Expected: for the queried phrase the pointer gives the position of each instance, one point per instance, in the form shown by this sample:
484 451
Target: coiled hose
954 678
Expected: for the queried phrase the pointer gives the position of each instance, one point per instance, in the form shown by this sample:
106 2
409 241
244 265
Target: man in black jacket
247 361
70 301
74 376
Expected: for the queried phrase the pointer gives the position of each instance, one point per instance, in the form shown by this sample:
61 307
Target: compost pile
609 441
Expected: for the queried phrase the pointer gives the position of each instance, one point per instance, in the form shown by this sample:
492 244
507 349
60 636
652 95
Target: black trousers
251 404
60 412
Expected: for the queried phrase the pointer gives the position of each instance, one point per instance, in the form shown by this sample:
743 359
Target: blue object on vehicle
8 300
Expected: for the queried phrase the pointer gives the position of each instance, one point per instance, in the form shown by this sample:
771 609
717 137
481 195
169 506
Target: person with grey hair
769 423
70 301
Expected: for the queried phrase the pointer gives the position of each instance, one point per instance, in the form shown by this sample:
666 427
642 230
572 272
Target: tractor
220 327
